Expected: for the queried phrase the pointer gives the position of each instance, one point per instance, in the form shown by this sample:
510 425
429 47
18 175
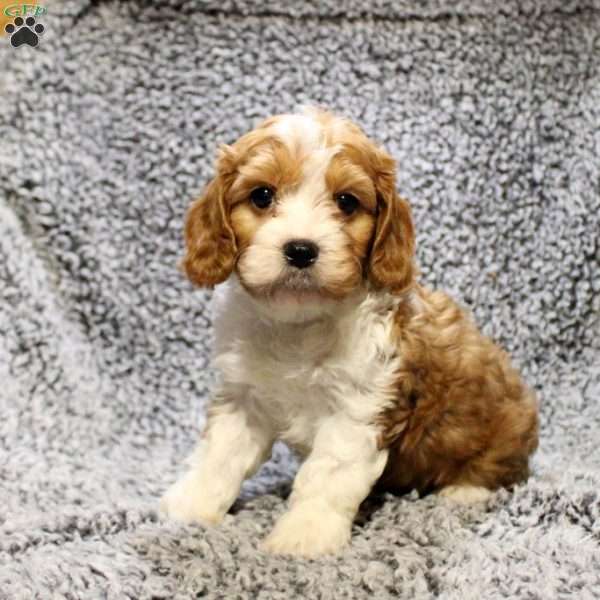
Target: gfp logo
21 24
22 10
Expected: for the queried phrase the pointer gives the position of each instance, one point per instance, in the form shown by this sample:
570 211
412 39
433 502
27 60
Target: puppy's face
304 209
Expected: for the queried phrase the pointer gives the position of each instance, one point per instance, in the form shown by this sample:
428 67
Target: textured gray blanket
107 131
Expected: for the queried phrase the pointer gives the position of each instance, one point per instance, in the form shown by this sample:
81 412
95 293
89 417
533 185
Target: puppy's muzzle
301 253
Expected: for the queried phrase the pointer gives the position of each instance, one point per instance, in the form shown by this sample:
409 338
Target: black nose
301 253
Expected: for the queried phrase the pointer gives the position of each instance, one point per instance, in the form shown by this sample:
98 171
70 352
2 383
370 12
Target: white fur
299 129
211 485
309 529
317 385
465 494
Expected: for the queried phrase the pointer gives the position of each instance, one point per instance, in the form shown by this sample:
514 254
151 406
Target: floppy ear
391 257
210 242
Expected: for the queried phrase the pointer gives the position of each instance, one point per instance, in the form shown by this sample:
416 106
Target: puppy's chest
291 365
297 376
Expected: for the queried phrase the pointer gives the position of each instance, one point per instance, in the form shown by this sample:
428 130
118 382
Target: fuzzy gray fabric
108 130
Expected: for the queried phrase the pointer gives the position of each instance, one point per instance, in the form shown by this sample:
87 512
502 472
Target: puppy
325 340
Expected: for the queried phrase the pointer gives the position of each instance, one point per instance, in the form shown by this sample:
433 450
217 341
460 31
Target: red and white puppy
325 340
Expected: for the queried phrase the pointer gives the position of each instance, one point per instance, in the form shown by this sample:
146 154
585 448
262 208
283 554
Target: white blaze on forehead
315 164
304 211
299 131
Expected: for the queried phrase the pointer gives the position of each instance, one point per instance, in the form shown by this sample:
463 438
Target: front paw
186 501
308 531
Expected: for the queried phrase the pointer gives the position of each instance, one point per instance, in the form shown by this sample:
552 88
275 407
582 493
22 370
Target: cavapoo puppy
325 340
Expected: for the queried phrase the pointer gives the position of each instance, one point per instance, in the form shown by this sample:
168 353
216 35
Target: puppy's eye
347 203
262 197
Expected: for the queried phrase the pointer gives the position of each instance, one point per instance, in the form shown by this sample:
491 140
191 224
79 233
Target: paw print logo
24 32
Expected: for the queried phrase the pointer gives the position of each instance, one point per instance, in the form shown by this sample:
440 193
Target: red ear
210 242
391 259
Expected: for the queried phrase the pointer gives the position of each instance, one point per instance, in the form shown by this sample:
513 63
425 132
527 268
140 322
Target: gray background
108 130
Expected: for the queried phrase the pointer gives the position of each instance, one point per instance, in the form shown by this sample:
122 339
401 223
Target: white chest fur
294 375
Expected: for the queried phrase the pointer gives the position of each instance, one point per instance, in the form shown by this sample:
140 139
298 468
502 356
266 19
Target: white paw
308 532
185 501
465 494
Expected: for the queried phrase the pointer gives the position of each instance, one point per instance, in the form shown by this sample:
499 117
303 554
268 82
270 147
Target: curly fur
462 415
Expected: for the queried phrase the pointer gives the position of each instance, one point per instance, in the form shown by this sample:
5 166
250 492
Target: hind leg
465 494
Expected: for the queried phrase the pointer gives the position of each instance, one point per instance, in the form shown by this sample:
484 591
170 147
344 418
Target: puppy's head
304 209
